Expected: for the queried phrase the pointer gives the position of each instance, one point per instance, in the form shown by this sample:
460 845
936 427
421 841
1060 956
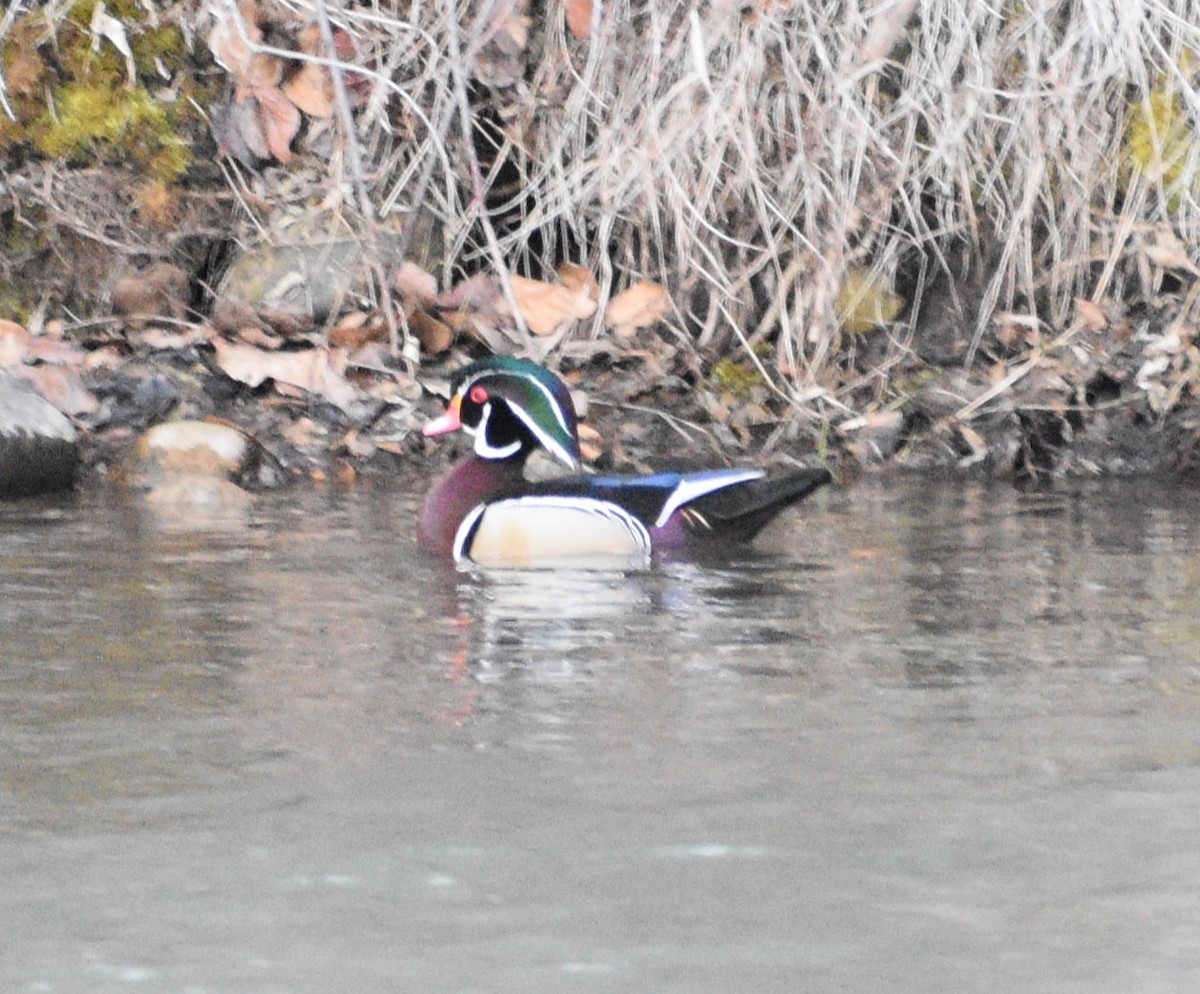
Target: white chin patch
485 451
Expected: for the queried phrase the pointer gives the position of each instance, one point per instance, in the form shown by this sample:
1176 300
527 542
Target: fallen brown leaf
974 441
1091 314
248 121
259 337
547 306
238 133
643 304
578 278
435 336
591 445
233 37
230 315
108 357
160 339
579 18
343 472
500 62
415 285
358 446
13 339
265 73
280 119
311 89
474 303
356 330
160 290
303 433
315 371
18 346
61 386
477 293
1169 252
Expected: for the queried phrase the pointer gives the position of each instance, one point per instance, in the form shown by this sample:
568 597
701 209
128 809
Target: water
929 737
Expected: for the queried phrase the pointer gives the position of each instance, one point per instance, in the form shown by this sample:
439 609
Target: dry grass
749 157
754 157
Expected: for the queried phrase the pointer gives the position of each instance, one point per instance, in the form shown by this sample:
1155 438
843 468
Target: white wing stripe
690 488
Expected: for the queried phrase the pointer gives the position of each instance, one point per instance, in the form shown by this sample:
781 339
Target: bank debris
948 238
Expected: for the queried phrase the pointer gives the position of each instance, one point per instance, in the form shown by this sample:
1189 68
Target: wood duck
485 511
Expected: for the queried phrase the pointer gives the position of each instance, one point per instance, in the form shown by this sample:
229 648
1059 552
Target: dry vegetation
938 230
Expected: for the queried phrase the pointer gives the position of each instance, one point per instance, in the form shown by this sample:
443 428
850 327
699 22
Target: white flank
692 487
532 531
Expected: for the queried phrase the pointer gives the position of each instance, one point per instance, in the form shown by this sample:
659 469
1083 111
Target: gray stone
315 276
39 447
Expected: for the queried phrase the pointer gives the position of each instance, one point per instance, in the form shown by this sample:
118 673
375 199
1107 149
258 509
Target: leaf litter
313 365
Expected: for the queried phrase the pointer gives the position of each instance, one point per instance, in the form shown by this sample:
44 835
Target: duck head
511 407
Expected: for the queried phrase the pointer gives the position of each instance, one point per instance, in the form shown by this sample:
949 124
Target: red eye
478 394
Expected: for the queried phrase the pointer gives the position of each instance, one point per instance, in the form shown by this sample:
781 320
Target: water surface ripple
925 738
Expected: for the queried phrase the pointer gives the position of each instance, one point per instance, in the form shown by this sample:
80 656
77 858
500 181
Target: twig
6 24
676 423
968 411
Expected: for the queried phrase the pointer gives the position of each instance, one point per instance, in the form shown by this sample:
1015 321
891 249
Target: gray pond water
928 738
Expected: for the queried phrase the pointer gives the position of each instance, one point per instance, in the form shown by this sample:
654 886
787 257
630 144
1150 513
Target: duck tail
739 512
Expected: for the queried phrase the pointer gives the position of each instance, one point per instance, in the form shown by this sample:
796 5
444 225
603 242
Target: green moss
907 387
864 303
737 378
18 298
164 44
78 105
79 62
1159 138
124 125
148 44
127 11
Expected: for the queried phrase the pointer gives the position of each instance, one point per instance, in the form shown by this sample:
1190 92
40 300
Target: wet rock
873 438
38 446
169 455
192 502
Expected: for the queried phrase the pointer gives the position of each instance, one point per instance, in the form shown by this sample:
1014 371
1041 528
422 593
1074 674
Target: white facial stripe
555 406
690 489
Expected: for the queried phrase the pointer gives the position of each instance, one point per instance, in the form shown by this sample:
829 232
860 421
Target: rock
191 474
305 278
161 290
193 502
873 438
195 450
39 449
